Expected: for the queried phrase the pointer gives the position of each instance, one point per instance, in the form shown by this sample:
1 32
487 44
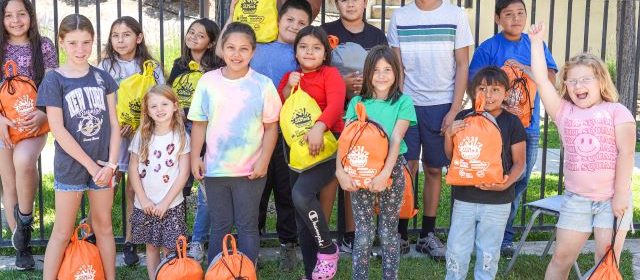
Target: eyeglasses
583 81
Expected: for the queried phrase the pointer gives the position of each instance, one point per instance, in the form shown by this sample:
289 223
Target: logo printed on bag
184 92
358 156
470 148
249 6
24 105
301 118
86 272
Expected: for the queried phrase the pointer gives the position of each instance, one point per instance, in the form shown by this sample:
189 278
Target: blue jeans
201 224
479 225
521 185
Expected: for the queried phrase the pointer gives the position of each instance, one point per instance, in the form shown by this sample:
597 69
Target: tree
626 50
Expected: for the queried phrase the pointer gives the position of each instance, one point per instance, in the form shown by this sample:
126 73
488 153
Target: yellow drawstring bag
261 15
297 116
185 84
130 94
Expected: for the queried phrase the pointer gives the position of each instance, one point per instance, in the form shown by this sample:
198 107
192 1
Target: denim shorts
582 214
89 186
426 136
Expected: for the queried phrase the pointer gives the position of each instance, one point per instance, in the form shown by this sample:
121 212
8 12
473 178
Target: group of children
223 133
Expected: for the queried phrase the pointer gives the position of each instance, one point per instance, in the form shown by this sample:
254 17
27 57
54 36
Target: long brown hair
142 52
147 125
376 54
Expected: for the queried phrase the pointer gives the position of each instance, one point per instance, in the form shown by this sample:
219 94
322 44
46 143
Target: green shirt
385 113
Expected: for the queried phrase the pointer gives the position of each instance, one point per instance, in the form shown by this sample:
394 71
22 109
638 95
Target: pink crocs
326 266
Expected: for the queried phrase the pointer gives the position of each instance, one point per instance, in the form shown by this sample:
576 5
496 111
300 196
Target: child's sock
25 219
331 249
403 229
428 225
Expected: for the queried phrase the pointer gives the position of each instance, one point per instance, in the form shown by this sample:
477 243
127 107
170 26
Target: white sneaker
196 251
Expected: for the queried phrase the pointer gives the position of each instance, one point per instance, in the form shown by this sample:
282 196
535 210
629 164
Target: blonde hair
608 90
147 125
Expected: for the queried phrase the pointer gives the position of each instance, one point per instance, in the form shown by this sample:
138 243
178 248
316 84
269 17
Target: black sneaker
346 245
24 260
130 254
507 250
22 233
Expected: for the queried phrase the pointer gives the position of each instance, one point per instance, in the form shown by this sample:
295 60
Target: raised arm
546 89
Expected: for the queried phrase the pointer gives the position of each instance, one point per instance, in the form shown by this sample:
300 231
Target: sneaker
507 250
326 266
196 251
24 260
431 246
288 257
346 245
130 254
404 246
22 233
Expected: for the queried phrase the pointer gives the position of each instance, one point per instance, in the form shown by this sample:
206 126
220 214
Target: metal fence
159 17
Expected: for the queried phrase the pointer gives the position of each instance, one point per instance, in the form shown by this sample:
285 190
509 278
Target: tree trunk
626 53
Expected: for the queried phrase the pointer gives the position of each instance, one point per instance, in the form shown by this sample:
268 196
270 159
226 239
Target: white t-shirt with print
427 41
161 169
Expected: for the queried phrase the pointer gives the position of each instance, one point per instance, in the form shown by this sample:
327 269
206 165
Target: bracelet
113 166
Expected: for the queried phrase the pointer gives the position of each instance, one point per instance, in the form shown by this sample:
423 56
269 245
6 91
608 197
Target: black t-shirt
512 132
370 36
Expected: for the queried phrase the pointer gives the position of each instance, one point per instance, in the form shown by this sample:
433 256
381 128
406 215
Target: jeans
479 225
201 224
233 202
521 185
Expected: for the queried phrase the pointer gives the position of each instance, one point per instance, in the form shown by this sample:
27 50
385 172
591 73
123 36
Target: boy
480 213
432 38
351 27
274 60
514 46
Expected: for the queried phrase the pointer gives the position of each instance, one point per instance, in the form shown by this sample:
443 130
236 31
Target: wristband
113 166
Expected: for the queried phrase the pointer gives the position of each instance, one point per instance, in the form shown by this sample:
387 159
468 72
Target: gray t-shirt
85 114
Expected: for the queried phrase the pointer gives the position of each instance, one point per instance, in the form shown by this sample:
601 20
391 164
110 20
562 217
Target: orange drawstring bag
521 94
407 208
362 148
179 266
607 268
477 150
81 259
17 99
232 266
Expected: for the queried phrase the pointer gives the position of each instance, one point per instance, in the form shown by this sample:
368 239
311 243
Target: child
125 54
480 212
158 171
351 27
324 84
21 42
199 46
435 77
80 104
386 105
599 140
238 110
513 46
274 60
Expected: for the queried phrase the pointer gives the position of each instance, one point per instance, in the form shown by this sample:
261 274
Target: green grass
527 267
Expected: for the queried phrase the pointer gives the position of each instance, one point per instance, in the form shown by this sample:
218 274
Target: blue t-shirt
274 60
496 50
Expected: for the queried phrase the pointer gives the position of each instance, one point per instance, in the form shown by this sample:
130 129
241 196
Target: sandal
326 266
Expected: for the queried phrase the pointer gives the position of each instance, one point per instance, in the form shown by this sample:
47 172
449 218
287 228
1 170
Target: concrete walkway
271 254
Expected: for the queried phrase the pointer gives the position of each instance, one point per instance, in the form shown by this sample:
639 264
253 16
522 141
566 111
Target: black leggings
313 230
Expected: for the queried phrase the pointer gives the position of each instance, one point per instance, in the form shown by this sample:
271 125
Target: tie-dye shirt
235 111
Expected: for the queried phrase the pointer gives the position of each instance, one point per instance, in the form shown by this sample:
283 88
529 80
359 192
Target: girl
599 138
34 55
199 46
237 109
386 105
81 110
480 213
124 55
324 84
159 169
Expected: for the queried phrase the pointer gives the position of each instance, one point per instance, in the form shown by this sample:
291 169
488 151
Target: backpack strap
10 64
